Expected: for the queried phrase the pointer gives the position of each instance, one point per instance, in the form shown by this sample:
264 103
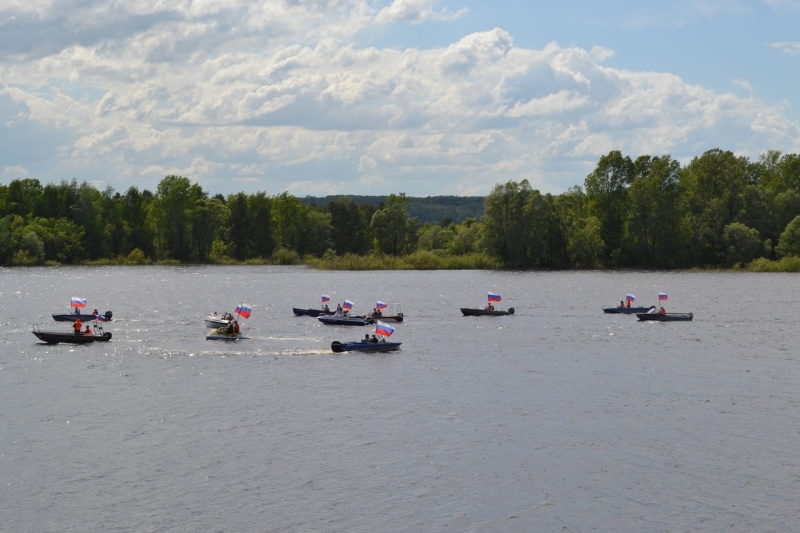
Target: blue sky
424 97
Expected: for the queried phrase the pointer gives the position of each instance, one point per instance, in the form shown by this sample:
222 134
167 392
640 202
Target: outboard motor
108 315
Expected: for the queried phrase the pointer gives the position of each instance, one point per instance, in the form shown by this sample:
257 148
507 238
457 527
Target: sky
372 97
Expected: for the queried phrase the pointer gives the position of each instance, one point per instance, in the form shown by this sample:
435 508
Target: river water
558 418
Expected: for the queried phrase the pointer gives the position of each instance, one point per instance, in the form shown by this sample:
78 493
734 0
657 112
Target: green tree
350 227
239 234
171 209
712 196
61 240
290 223
262 240
86 214
652 231
394 230
320 231
207 219
433 236
135 207
115 229
789 243
24 197
467 239
587 247
743 243
607 197
57 200
571 213
505 223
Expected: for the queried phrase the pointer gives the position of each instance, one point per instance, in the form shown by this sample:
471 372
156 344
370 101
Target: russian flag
631 297
383 329
243 310
325 298
493 297
78 302
101 318
380 305
348 304
662 296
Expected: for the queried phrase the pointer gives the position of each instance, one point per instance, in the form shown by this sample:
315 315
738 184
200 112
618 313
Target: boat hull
668 317
486 312
220 335
85 317
215 322
389 318
344 320
311 312
56 337
369 347
627 310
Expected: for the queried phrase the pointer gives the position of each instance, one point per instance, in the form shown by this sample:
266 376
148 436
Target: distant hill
428 209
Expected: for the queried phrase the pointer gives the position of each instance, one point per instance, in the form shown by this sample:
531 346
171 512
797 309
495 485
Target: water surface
558 418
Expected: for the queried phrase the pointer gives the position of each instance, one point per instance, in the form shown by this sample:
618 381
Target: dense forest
719 211
428 209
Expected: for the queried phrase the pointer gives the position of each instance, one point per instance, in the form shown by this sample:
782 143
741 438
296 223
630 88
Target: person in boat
88 330
489 307
374 339
366 337
662 311
77 311
326 308
77 326
338 309
628 304
621 303
236 326
229 329
214 314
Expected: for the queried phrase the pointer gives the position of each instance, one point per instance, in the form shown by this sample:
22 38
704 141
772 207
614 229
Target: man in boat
77 326
236 326
366 338
229 329
88 330
490 307
374 339
662 311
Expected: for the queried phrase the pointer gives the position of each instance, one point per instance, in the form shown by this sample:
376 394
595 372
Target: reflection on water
556 418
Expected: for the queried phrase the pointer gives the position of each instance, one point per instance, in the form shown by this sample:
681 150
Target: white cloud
791 48
283 96
414 11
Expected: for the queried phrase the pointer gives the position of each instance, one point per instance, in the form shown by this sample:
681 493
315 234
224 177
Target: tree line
720 210
427 209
